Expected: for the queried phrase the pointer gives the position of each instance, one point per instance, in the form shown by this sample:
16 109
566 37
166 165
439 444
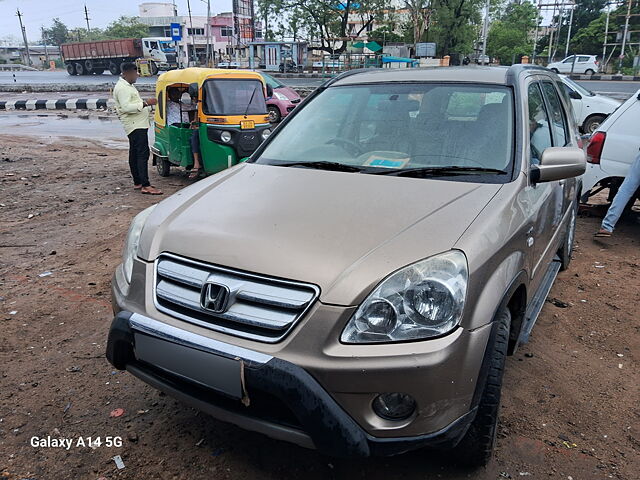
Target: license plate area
247 124
212 371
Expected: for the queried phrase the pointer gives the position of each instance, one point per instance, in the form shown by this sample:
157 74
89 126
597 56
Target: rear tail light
594 149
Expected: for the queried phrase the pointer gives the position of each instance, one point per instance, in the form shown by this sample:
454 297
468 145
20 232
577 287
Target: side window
557 114
161 105
583 59
568 60
539 131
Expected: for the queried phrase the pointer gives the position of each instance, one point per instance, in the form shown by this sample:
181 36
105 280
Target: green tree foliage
126 27
384 34
589 39
510 37
56 34
327 21
454 25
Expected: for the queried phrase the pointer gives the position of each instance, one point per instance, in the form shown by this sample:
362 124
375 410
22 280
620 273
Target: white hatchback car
587 64
612 149
590 109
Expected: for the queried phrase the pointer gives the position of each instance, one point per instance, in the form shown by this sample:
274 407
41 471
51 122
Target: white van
612 149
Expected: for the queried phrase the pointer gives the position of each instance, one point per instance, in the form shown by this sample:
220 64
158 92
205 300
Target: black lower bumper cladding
314 411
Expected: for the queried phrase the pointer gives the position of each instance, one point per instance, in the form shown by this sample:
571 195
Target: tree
454 25
419 17
510 37
384 34
331 22
126 27
57 34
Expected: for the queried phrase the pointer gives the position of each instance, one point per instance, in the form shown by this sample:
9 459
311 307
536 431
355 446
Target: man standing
627 190
133 112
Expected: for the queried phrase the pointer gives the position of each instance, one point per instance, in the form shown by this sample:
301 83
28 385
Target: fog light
225 136
394 406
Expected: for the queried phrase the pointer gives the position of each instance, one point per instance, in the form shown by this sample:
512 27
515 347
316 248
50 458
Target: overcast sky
37 13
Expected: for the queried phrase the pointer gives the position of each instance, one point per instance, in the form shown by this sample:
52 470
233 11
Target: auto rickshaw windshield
233 97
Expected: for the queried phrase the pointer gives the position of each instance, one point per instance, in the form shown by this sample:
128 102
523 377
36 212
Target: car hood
341 231
289 92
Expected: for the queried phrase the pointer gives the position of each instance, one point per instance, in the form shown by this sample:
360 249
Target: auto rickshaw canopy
185 77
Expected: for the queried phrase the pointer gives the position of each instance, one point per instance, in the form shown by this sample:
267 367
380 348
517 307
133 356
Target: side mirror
558 163
269 91
575 95
193 91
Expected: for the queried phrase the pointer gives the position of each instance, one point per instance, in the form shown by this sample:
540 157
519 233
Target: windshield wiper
322 165
439 171
250 100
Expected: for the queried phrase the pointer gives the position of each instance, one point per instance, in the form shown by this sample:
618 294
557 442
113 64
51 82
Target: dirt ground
570 410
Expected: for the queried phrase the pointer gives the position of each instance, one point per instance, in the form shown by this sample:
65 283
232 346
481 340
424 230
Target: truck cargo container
86 58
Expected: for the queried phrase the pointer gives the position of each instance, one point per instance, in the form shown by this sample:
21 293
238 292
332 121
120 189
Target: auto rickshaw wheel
162 165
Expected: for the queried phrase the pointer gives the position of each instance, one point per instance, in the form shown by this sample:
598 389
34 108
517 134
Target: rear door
622 141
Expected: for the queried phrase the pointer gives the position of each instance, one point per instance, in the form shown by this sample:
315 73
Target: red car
283 101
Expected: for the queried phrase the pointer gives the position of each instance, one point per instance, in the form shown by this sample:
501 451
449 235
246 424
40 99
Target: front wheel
589 72
274 114
163 166
555 70
593 123
476 447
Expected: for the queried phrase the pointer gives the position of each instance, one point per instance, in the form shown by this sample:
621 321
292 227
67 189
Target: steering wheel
349 145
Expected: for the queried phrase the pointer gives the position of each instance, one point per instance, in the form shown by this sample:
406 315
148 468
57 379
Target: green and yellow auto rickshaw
223 110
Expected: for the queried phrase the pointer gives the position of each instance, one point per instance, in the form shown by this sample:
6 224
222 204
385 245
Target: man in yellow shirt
133 112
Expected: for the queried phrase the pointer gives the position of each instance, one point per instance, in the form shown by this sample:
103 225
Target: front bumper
279 398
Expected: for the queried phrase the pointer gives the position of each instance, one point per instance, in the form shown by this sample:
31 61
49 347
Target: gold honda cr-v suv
355 286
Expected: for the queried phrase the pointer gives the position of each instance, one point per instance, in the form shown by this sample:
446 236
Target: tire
555 70
569 238
114 68
476 447
274 114
592 123
163 166
589 71
88 67
71 69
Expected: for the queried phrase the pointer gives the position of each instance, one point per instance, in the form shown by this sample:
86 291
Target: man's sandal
150 190
603 233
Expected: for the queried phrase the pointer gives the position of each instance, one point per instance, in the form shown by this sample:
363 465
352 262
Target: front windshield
234 97
167 47
400 126
272 82
578 87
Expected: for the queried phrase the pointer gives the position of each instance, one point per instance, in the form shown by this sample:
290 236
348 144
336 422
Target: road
614 88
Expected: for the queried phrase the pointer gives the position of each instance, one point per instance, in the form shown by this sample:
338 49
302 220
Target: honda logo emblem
215 297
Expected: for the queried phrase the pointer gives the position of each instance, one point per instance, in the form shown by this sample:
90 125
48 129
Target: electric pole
624 37
86 17
24 37
485 32
44 41
566 48
193 41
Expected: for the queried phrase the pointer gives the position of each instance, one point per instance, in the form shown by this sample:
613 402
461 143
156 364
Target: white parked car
590 109
612 149
587 64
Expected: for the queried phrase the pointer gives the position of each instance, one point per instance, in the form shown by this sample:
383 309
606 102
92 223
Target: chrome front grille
260 308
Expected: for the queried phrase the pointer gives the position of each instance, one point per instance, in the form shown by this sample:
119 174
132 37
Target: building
199 36
38 54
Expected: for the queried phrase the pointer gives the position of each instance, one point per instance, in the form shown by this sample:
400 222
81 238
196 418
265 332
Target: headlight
132 241
265 133
422 300
280 96
225 136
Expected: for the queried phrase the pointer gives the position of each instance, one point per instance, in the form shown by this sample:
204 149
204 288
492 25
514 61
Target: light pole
485 28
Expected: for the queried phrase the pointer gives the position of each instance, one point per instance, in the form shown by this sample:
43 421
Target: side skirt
537 302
